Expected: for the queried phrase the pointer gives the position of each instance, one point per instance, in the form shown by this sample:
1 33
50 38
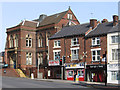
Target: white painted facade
112 65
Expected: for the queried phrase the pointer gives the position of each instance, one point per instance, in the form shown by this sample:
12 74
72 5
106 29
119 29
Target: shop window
80 73
70 73
115 75
95 41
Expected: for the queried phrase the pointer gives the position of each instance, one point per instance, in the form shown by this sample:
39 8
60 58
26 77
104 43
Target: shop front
54 69
113 71
72 69
95 73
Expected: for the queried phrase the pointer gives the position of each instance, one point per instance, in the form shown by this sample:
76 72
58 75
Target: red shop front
72 69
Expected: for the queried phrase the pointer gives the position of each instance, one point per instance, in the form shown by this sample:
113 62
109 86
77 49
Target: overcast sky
14 12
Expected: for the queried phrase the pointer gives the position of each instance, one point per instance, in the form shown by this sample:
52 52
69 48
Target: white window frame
116 41
94 42
56 51
28 58
40 41
97 49
28 41
115 54
11 41
69 16
57 44
115 75
40 58
74 56
16 41
74 40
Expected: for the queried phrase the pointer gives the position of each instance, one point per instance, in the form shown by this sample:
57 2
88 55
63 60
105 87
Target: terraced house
82 50
27 43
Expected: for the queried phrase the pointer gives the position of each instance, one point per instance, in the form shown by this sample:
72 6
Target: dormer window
69 16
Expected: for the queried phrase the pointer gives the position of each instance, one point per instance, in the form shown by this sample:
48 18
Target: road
13 82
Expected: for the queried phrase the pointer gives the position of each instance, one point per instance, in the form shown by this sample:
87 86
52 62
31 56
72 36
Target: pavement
85 83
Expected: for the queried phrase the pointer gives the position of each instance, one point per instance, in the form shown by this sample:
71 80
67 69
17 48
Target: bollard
32 76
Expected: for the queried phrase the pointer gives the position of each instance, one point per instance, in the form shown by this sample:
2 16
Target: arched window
11 41
40 44
40 58
28 58
47 36
16 41
28 41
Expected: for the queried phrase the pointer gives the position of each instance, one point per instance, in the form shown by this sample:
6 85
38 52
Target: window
47 36
69 16
80 73
74 41
96 55
75 54
28 58
11 41
28 41
57 43
40 58
16 41
57 55
40 41
96 41
70 73
115 39
115 75
115 54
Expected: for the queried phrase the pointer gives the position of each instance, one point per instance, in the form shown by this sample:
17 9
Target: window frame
96 55
58 53
94 42
28 41
57 44
76 56
69 16
28 58
74 40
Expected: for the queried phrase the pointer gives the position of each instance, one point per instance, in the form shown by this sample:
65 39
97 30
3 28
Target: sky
14 12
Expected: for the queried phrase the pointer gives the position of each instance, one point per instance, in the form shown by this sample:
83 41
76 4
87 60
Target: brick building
27 43
84 48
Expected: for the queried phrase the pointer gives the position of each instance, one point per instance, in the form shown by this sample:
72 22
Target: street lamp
38 68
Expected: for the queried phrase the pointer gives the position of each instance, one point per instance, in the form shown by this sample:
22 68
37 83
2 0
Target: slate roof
102 28
71 30
52 18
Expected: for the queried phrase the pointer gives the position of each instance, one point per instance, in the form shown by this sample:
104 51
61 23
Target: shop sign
114 66
95 66
54 63
80 65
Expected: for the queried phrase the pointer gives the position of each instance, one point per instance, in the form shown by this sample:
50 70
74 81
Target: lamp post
38 68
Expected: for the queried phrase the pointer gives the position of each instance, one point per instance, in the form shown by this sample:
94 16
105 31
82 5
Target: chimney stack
93 23
104 20
115 20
